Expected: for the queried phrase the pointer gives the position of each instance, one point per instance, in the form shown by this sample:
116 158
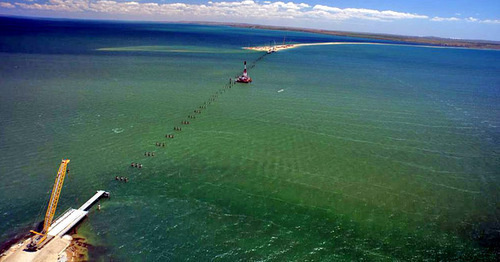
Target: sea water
333 153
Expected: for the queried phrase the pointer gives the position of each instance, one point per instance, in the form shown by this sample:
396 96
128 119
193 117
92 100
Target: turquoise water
369 153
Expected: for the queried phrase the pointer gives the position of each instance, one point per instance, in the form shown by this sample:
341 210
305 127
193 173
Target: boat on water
244 78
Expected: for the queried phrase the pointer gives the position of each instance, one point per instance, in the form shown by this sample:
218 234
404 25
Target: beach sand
67 248
290 46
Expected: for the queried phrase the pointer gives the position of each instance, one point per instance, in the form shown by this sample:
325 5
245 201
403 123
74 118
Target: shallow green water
369 152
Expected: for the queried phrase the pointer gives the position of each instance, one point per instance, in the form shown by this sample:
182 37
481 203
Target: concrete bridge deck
57 244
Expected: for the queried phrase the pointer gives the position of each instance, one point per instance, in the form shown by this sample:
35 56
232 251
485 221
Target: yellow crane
39 239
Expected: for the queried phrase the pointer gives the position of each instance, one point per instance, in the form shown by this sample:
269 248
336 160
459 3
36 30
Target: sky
462 19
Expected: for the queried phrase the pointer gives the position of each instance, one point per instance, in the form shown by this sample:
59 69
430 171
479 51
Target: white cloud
230 9
468 19
440 19
327 8
6 5
236 10
490 21
471 19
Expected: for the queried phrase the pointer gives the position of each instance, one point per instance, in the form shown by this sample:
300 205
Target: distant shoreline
432 41
276 48
402 39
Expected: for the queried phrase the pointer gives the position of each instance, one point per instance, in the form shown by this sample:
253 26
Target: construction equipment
40 238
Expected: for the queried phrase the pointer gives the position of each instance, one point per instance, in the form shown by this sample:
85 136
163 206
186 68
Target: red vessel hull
244 80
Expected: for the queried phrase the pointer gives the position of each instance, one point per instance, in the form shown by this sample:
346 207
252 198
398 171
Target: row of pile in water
213 98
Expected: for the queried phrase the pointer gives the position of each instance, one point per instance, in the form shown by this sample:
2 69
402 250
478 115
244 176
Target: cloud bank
7 5
231 10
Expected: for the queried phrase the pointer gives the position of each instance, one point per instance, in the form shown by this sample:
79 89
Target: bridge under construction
50 242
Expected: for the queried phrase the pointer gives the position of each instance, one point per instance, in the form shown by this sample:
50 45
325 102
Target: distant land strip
277 48
435 41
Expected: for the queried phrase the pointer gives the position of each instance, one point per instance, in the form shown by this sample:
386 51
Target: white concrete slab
92 200
66 222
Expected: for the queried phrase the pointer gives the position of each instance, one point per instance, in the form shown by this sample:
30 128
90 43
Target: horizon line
265 27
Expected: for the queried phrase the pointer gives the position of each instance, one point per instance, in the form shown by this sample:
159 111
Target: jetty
98 195
56 242
71 217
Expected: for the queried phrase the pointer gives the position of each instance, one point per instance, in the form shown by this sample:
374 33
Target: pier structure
98 195
56 242
71 217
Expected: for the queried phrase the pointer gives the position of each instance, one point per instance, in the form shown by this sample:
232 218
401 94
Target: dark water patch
486 234
49 36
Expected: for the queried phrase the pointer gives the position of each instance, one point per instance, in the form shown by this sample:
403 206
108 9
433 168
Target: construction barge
244 78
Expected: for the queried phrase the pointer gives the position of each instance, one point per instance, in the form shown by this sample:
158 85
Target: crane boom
54 198
39 238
